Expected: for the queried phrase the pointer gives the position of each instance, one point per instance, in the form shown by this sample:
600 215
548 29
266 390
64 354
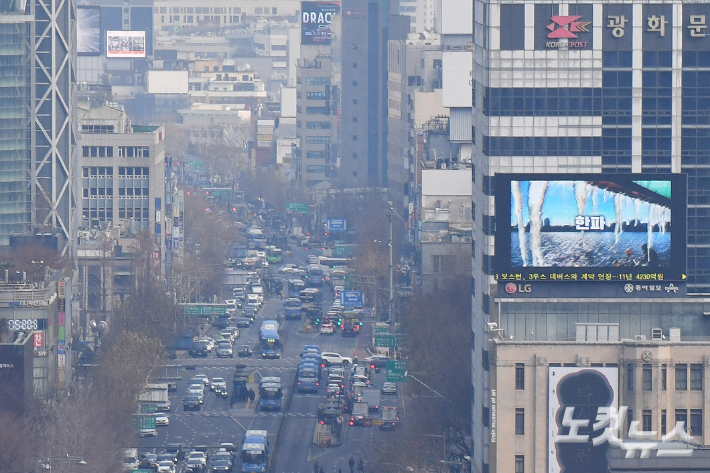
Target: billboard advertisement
316 18
577 396
126 44
88 31
457 78
590 227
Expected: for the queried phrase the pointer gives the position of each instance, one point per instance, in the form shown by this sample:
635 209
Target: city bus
270 393
293 308
269 339
307 377
311 295
332 262
315 276
295 286
273 254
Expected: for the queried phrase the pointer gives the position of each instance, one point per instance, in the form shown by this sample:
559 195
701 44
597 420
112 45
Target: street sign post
205 310
352 298
396 371
386 340
337 225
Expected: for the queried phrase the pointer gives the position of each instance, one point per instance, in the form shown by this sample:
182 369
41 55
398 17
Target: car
332 358
389 388
163 406
149 460
245 350
197 454
218 383
221 465
191 403
224 349
287 268
196 389
147 432
167 456
162 419
166 467
223 455
194 465
244 321
328 329
230 447
204 378
209 341
377 362
199 348
333 390
250 312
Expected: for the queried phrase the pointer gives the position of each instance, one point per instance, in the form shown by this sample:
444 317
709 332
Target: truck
372 398
270 393
389 418
236 277
360 414
156 394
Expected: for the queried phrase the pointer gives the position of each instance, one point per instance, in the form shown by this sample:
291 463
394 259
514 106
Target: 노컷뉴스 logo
565 27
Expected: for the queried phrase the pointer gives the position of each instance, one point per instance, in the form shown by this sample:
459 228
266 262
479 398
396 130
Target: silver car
224 349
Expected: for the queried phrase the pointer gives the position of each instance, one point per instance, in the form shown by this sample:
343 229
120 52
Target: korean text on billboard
316 18
130 44
590 227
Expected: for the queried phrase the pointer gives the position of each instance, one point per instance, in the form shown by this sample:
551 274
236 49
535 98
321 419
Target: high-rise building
36 155
590 152
425 14
367 26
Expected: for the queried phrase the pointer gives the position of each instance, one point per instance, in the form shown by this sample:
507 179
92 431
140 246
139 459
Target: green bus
273 254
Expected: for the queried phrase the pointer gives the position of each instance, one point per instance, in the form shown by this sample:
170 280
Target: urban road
290 430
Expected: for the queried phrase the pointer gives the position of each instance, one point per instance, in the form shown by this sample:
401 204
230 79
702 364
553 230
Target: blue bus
293 308
254 457
295 286
270 393
315 276
269 339
307 377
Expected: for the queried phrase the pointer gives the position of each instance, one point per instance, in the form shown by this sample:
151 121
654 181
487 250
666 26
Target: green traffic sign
146 422
205 309
382 330
396 370
146 409
387 340
141 471
297 207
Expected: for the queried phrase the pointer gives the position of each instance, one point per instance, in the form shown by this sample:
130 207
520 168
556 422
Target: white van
312 259
259 291
253 301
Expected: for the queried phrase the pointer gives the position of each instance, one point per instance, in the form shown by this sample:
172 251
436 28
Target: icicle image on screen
602 223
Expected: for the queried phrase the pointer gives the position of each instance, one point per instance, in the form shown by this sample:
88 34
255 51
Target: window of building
316 140
97 128
354 155
316 155
259 10
681 377
519 464
354 137
696 422
629 419
646 420
519 421
354 83
133 152
354 173
681 415
354 101
630 377
97 151
664 424
315 169
318 125
664 377
354 65
437 263
274 10
317 110
317 80
519 376
696 377
354 119
647 377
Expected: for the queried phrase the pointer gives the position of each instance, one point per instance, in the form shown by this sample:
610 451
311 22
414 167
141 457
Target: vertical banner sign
61 334
38 339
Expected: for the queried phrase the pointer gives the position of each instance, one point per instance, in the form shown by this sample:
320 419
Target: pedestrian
321 470
315 467
360 466
351 462
252 394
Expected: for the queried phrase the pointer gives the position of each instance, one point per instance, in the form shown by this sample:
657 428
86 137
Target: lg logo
512 288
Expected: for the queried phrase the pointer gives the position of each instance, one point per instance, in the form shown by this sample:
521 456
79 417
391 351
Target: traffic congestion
279 376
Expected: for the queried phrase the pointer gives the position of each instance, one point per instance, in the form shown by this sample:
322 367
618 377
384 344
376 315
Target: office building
36 155
590 152
367 26
425 14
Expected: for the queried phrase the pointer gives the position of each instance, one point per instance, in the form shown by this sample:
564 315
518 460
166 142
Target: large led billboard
128 44
88 31
580 396
590 227
316 18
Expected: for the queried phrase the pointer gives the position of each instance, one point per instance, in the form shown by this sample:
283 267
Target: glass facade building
587 87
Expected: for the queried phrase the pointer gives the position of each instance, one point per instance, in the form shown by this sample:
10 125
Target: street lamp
67 458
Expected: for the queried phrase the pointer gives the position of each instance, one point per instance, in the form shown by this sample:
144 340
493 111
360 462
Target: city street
290 430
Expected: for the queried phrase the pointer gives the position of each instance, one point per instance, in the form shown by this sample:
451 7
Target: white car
327 329
162 419
219 383
224 349
287 268
195 455
333 390
389 388
331 358
166 467
196 389
147 433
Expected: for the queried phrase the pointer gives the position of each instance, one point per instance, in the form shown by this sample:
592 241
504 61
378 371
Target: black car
191 403
221 465
199 348
243 321
245 350
250 312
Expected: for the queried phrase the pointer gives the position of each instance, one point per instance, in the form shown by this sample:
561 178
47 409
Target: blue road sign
337 225
352 298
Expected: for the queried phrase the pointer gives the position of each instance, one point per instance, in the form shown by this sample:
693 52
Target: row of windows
681 377
97 151
316 169
542 146
97 128
318 125
317 95
316 154
315 140
318 110
95 171
542 101
317 80
661 59
122 191
133 152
